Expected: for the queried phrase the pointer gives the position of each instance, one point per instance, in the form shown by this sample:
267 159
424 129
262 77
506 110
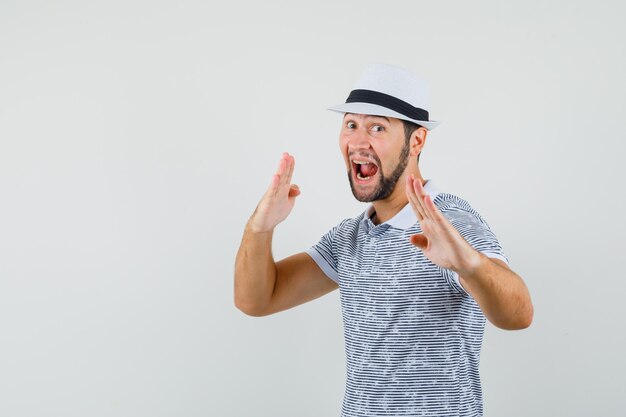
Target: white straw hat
385 90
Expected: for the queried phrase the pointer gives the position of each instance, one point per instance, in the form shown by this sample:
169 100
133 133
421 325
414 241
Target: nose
359 140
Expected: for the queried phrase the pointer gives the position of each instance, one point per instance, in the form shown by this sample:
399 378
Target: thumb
420 241
294 190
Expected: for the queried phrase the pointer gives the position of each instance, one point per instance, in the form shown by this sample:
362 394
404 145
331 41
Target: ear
418 139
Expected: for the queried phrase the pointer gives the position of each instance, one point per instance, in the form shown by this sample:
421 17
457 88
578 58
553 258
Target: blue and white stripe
412 333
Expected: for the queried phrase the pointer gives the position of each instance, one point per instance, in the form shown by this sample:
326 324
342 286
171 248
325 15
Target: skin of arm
501 294
263 286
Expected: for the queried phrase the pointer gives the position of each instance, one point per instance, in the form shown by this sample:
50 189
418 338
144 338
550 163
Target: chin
366 196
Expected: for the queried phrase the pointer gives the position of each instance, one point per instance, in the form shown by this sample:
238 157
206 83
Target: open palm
279 198
439 240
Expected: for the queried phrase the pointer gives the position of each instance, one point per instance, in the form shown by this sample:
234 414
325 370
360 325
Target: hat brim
376 110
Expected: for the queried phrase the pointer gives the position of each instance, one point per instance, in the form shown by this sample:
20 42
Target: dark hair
409 128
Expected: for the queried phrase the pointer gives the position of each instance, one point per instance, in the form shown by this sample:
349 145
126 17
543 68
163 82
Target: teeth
359 176
362 162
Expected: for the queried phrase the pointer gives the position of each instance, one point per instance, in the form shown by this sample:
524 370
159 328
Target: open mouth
363 169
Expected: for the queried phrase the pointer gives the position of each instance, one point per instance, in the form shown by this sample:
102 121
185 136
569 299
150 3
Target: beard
385 185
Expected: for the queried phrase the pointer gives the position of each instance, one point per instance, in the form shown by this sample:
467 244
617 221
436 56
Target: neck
389 207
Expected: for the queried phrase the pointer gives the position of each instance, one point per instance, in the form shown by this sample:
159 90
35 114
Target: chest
390 273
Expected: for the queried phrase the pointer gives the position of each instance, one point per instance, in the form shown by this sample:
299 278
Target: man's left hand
439 240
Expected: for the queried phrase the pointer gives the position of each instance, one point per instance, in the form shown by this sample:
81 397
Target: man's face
376 154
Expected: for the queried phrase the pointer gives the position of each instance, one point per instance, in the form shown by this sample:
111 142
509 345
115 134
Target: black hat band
390 102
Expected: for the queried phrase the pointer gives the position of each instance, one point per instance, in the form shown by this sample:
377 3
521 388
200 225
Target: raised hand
278 200
439 240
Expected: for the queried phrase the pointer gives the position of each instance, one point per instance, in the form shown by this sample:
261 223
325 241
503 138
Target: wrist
256 227
473 263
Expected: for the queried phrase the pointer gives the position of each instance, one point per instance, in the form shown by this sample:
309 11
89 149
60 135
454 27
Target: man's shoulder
446 201
352 223
457 209
348 224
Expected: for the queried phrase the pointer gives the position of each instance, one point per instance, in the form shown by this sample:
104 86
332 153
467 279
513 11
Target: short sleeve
323 253
476 232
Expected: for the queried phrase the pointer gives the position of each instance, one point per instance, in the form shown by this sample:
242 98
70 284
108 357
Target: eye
350 125
378 128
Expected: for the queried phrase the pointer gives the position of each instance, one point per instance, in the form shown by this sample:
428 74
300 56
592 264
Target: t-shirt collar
405 217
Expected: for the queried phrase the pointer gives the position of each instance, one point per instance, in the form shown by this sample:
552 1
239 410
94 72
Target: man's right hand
278 200
262 286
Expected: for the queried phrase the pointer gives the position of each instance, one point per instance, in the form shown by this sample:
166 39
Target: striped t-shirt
412 333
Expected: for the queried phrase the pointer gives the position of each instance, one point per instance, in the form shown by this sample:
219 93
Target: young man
418 271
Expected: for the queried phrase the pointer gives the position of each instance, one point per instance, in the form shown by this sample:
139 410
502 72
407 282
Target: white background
136 138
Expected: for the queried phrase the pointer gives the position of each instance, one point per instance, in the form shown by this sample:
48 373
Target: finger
430 209
283 172
416 198
433 210
285 177
294 190
277 177
419 191
419 240
281 166
273 187
291 163
410 192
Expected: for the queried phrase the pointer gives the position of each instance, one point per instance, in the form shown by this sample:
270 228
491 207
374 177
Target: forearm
500 293
255 271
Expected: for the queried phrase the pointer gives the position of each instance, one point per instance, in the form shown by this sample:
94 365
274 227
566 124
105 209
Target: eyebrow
367 116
